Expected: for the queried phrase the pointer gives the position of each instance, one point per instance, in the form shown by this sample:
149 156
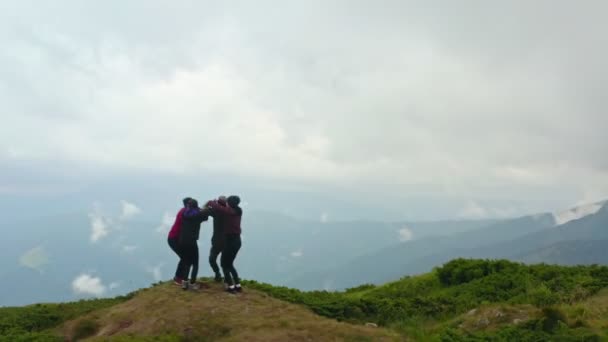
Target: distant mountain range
575 236
44 256
578 252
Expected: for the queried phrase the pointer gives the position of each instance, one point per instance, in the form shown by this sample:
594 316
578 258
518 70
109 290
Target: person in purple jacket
193 216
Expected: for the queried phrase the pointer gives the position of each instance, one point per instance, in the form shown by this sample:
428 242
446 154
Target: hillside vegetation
165 312
35 322
464 300
475 300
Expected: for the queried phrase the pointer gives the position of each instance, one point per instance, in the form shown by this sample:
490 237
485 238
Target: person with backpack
230 218
173 240
217 241
193 216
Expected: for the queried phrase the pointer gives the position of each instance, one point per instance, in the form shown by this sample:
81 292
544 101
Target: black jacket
191 225
218 227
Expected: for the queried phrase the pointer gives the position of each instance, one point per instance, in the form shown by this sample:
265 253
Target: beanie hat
192 203
233 201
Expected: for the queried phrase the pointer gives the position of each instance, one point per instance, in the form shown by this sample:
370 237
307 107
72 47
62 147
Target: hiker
173 240
230 218
193 216
217 241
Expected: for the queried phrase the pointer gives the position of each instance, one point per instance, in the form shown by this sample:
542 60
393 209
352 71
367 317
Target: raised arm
196 214
219 208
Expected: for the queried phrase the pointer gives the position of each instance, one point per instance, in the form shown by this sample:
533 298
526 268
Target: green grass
464 300
428 307
34 322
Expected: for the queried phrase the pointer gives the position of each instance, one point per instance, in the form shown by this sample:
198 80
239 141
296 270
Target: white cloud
36 258
430 105
472 210
324 218
129 210
88 285
165 224
577 213
155 271
113 285
129 248
297 253
405 234
100 224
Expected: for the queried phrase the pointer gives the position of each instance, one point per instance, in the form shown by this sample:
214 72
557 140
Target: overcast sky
473 100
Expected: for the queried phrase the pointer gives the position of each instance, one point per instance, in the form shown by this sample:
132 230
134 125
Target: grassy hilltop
164 312
464 300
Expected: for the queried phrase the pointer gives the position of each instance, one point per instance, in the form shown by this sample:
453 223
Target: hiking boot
231 290
185 285
238 288
195 286
177 281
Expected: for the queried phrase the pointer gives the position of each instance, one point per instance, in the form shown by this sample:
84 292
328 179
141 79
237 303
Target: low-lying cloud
165 224
100 224
129 248
297 253
86 284
36 258
129 210
155 271
474 211
405 234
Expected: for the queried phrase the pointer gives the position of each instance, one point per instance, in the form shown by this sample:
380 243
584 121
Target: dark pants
213 254
190 252
217 245
174 244
231 248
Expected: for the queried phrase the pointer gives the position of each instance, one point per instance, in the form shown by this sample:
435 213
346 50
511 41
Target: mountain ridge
508 239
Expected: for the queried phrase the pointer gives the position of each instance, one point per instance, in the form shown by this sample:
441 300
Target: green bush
542 296
454 288
85 328
440 297
552 319
30 323
459 286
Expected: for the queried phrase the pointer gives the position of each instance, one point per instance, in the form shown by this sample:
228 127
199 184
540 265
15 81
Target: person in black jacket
217 241
193 216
